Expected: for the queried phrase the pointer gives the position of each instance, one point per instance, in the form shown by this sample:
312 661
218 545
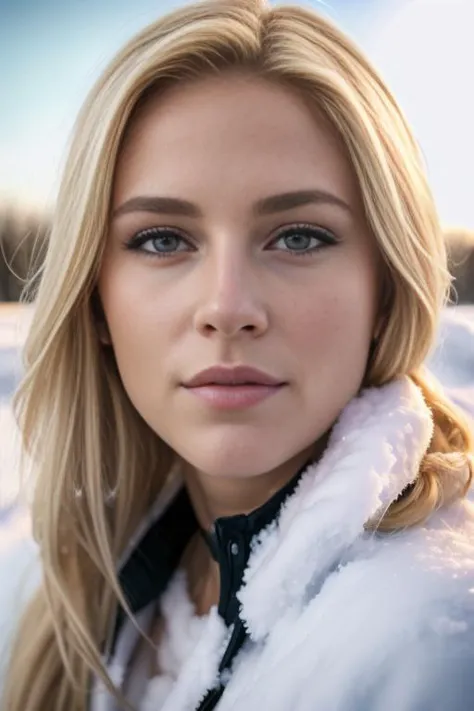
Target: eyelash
136 242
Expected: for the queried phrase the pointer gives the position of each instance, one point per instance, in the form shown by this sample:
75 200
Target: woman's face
256 253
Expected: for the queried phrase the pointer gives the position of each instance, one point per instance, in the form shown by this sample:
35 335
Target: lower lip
234 397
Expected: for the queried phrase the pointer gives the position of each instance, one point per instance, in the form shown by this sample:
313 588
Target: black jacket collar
148 570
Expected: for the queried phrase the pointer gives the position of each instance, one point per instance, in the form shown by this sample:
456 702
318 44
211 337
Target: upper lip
239 375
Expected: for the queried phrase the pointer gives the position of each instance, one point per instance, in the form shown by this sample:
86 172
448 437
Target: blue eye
297 240
302 240
165 242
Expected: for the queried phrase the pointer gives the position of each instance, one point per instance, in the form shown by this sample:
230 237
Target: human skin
232 288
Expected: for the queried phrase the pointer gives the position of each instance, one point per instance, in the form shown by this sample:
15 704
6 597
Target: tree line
23 245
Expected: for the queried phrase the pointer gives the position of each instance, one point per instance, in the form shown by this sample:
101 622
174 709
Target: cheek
139 326
331 334
335 317
330 339
139 309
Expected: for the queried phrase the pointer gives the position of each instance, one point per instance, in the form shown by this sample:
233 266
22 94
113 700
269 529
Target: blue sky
52 50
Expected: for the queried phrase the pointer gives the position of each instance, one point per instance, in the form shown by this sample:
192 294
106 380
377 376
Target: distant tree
23 242
460 243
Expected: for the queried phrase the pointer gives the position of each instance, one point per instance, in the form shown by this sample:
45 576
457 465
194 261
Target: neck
214 497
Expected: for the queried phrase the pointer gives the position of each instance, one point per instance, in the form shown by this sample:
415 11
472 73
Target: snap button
234 549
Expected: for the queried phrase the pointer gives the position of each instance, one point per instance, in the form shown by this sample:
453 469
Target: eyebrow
265 206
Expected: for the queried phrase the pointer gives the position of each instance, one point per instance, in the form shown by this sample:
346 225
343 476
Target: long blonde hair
79 428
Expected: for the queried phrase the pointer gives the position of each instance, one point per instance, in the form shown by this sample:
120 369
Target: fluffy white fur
375 450
341 619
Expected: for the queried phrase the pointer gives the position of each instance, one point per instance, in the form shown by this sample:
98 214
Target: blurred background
51 52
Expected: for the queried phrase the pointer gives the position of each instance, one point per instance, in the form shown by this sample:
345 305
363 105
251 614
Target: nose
231 302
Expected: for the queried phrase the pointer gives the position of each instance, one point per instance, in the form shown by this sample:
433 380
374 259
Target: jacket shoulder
431 672
391 628
431 565
429 593
443 543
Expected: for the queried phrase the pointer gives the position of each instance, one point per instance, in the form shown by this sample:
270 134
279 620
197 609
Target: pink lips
233 388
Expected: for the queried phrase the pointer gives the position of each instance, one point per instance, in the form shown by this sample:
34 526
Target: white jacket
341 619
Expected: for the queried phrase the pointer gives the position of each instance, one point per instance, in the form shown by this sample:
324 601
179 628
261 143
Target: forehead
245 132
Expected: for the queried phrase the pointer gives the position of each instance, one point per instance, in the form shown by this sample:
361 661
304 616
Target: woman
249 491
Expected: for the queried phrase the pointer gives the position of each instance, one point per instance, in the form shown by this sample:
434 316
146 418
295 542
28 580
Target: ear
103 333
99 319
386 301
379 325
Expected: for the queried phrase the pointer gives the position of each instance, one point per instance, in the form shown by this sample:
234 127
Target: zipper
213 696
232 558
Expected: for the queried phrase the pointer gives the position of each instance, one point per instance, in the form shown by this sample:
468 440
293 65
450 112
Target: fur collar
374 452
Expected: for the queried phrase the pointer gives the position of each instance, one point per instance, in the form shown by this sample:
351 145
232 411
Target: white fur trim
374 452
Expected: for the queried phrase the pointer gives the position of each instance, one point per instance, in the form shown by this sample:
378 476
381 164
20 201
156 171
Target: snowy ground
452 362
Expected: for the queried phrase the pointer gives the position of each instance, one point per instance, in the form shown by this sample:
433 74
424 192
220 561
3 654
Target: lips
236 376
238 388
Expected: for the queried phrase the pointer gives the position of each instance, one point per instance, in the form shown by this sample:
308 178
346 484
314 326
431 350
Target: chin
232 465
238 456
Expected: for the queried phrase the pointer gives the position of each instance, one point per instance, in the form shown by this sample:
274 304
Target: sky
51 51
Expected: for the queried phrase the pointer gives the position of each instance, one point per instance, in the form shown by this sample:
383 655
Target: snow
452 362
